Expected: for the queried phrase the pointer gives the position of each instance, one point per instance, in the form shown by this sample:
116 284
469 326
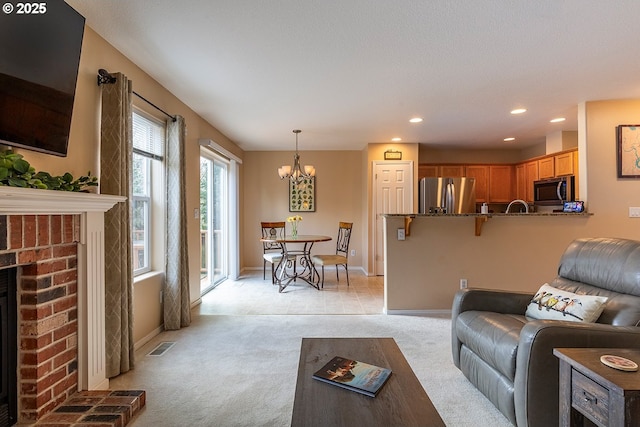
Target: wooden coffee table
401 401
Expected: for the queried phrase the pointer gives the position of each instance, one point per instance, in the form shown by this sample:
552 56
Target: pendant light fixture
296 174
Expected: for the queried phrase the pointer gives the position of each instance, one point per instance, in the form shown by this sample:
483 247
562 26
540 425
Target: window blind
148 137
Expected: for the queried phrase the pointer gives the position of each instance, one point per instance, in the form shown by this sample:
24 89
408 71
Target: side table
589 389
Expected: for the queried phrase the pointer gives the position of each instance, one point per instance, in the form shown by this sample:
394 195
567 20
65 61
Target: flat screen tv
40 46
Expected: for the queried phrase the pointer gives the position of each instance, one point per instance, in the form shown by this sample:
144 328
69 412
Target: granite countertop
538 214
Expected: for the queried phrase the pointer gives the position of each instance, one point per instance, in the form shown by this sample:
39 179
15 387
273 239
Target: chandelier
296 175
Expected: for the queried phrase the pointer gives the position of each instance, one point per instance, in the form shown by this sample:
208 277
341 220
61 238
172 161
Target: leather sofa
509 356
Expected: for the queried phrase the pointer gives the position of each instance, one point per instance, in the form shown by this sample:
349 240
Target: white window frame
154 197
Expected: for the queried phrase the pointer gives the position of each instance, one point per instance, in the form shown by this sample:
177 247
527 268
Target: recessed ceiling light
415 120
396 139
557 120
519 111
509 139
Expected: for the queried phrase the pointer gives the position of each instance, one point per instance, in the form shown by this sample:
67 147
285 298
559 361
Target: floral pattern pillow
555 304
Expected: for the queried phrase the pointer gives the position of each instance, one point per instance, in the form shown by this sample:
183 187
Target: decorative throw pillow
555 304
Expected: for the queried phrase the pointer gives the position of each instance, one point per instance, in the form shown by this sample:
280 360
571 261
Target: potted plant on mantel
15 171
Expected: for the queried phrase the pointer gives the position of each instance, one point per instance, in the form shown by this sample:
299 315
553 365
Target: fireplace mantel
25 201
91 287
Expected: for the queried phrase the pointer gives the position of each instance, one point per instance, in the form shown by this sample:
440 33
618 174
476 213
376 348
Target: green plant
15 171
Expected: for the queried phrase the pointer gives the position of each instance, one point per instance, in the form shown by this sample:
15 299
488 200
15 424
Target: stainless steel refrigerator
447 195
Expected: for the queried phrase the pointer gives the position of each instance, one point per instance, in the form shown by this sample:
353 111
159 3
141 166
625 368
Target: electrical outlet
400 233
634 212
463 283
353 252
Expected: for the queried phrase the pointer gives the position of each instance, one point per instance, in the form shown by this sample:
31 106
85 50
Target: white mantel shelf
91 264
14 200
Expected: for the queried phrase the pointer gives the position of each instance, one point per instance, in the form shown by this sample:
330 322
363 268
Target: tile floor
251 295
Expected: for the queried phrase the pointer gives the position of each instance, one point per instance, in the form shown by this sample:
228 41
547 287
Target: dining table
298 246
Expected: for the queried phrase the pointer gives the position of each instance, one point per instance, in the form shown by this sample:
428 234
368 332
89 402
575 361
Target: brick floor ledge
96 408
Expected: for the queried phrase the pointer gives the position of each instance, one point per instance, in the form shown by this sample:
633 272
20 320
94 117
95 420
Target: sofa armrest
497 301
536 381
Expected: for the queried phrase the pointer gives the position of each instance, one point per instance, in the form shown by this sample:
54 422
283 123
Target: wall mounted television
40 48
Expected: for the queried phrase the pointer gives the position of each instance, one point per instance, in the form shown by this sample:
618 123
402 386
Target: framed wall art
302 196
628 140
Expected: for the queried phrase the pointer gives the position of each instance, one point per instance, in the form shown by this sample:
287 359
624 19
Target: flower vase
294 229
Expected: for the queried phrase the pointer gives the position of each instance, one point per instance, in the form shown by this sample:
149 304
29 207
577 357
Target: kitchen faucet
526 206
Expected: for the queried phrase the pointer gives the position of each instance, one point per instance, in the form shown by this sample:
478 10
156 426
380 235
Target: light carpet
227 370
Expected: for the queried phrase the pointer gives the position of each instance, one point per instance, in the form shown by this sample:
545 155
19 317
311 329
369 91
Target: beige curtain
177 312
115 165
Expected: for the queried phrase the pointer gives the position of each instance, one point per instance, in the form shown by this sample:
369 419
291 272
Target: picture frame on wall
302 196
628 145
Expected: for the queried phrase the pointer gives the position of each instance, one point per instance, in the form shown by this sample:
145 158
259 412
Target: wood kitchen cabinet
565 163
521 182
531 175
500 183
481 174
526 174
454 171
431 171
427 171
546 167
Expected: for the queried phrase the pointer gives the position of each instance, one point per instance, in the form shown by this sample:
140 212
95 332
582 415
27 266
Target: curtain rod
104 77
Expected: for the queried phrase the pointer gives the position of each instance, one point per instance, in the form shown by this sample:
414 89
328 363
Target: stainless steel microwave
554 191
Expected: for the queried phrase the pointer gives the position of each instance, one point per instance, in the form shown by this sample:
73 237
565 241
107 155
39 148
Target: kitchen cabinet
546 167
481 174
531 175
521 182
432 171
526 174
564 163
427 171
500 183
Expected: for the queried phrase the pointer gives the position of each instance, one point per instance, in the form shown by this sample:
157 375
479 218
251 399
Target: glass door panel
213 223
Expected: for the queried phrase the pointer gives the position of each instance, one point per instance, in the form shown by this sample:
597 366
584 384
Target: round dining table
299 247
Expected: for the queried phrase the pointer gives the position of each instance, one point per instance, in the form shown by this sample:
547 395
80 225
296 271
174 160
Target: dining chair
272 251
341 256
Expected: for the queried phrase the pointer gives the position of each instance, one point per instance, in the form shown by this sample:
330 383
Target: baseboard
195 303
433 313
138 345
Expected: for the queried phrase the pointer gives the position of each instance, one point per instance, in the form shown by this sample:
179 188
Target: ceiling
353 72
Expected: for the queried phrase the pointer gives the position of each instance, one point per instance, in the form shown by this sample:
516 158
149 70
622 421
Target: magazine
354 375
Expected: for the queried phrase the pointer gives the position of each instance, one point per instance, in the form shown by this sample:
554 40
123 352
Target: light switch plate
400 233
634 212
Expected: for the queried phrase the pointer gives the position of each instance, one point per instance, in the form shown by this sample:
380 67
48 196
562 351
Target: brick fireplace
44 247
56 242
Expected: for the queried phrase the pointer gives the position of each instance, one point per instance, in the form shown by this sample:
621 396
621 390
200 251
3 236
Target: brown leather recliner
509 357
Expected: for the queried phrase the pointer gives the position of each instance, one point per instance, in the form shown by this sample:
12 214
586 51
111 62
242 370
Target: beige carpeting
236 365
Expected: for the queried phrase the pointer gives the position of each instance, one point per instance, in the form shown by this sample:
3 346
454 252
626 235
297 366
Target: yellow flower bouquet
294 224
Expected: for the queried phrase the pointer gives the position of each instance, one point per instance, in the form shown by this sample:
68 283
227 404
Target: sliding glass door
214 221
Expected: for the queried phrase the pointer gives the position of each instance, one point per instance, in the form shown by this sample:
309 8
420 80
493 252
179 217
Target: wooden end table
401 402
589 389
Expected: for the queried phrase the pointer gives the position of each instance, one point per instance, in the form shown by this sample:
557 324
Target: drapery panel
115 166
177 312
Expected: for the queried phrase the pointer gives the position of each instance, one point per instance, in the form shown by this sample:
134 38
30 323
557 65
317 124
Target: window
146 171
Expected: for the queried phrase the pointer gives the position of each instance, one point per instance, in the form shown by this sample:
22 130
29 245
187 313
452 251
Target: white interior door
393 184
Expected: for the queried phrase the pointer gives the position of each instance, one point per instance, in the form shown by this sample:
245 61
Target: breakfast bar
428 257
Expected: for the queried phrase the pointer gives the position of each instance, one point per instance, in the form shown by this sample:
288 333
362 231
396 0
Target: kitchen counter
480 219
581 214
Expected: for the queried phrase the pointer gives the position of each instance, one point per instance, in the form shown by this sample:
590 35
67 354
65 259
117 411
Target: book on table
353 375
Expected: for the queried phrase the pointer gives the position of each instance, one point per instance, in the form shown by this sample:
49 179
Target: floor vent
161 349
